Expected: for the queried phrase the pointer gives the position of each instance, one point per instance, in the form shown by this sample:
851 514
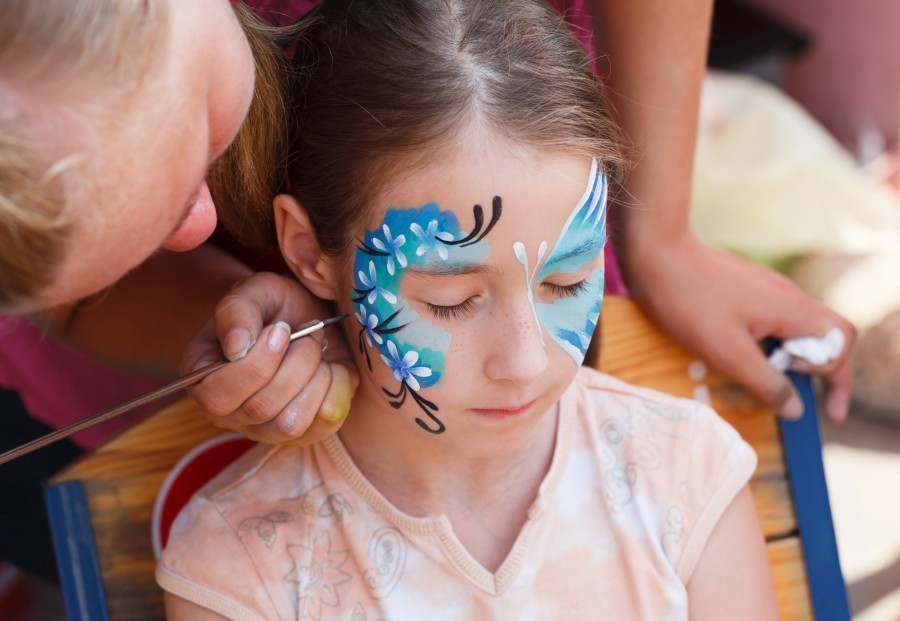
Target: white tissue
816 350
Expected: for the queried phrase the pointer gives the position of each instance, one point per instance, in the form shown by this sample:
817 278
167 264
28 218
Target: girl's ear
300 249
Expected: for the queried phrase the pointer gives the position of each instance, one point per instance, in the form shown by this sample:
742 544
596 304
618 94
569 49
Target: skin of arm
178 609
143 322
713 303
174 314
733 578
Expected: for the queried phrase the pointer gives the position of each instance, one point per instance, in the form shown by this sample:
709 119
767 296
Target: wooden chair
101 507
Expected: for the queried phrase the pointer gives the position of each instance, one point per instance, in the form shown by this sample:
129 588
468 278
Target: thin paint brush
180 384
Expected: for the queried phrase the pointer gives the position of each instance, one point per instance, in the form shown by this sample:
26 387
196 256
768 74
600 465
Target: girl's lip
506 412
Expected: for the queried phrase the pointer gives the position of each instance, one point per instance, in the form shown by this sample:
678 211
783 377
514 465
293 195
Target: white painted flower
392 245
404 367
429 239
370 283
369 321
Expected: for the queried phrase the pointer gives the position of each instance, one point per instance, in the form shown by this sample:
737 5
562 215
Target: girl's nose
518 353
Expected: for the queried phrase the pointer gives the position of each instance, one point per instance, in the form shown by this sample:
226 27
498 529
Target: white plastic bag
770 183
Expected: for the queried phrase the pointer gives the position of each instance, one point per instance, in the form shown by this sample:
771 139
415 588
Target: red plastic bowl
192 472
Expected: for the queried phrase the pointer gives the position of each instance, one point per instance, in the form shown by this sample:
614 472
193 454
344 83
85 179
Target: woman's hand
720 306
273 391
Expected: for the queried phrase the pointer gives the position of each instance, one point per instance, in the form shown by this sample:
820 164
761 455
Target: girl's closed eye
566 291
454 311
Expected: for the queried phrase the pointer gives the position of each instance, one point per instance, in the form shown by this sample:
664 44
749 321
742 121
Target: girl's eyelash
457 311
567 291
464 308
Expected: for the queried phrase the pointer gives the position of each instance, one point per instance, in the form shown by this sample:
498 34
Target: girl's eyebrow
590 246
444 269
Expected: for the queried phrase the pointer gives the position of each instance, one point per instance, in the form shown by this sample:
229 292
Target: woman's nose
518 347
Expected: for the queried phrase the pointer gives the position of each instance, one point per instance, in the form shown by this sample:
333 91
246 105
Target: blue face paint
571 321
412 347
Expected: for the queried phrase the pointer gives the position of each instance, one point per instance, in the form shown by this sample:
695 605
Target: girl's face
142 187
476 288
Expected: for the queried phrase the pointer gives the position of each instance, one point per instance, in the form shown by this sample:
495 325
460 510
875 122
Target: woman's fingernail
279 336
237 343
792 408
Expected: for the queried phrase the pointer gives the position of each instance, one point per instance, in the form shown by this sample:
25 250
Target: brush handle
164 391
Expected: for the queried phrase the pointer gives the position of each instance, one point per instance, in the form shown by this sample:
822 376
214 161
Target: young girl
449 179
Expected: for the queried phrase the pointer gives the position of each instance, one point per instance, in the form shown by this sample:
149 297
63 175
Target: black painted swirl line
478 214
496 210
367 249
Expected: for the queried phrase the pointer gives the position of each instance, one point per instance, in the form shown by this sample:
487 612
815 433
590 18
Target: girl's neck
420 475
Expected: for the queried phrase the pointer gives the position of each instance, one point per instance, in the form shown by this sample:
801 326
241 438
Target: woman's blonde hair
55 55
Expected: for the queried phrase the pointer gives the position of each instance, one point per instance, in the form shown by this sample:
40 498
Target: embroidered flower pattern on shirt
674 526
335 505
318 572
315 502
387 552
630 441
264 526
359 613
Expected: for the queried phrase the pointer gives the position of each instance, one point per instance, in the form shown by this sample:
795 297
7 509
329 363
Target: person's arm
178 312
656 53
715 304
143 322
733 578
180 609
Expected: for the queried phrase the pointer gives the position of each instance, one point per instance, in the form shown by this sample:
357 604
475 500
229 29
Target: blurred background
797 168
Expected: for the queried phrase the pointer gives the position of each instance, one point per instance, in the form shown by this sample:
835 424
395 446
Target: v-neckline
439 526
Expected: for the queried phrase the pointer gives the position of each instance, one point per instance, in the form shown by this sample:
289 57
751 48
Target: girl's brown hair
251 171
382 86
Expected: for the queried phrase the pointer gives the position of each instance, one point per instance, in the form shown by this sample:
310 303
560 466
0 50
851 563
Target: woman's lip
198 223
506 412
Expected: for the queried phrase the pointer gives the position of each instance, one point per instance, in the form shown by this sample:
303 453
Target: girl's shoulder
260 480
606 403
221 544
593 389
253 484
660 456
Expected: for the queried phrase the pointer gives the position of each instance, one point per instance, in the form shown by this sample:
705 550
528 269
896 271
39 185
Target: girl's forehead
535 191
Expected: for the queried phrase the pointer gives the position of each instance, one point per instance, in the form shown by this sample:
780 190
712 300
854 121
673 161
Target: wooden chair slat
789 572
